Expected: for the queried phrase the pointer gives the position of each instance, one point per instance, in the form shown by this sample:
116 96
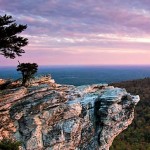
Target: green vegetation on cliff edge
137 135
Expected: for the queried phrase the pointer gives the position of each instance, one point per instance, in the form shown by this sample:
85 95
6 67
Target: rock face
48 116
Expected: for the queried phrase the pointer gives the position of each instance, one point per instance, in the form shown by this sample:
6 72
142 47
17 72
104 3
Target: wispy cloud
83 27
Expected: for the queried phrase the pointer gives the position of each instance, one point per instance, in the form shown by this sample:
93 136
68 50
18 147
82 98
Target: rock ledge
49 116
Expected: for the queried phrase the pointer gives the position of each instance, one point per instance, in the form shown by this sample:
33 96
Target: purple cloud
70 24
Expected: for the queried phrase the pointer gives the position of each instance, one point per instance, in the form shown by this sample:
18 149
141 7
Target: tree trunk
24 80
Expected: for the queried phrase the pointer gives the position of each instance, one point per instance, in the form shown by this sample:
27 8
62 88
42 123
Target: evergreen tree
10 43
27 71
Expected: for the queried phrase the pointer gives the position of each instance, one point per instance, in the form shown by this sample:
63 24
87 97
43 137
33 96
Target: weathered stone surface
48 116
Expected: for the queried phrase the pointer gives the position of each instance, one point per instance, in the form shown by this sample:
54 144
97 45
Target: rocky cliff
49 116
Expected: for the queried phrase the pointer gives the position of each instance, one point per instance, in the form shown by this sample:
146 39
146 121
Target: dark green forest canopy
10 43
137 135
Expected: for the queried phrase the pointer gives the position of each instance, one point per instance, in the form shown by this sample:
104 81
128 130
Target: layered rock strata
49 116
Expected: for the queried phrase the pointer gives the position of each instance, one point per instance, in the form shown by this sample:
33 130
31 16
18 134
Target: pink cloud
72 32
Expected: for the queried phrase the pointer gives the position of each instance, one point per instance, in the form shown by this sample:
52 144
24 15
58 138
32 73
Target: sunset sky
82 32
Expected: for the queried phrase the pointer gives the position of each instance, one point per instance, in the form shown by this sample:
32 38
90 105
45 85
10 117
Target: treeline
137 135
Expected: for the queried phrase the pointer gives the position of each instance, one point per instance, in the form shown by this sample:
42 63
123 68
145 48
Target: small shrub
8 144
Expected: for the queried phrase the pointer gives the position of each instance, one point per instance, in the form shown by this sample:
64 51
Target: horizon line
96 65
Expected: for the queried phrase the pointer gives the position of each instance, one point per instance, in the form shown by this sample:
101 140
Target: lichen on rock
47 115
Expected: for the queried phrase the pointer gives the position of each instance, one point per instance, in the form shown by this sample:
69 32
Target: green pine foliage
137 135
10 43
27 71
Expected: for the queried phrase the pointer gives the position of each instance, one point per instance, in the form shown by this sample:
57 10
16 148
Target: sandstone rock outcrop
49 116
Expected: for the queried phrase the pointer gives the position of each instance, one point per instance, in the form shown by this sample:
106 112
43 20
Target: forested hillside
137 136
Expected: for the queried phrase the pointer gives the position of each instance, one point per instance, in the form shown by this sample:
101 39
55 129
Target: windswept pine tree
27 71
10 43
